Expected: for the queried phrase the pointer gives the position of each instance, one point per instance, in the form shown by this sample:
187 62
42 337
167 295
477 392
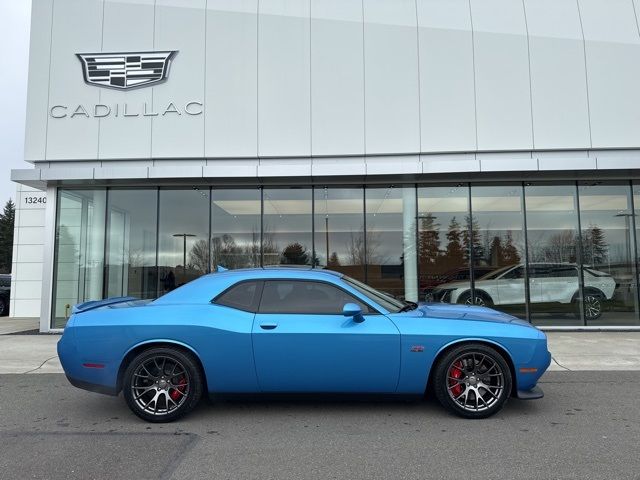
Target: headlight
443 295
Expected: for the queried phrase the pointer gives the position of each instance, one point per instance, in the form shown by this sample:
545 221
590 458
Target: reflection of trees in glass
595 246
270 251
471 238
294 254
360 252
199 256
429 239
334 261
454 251
503 251
560 248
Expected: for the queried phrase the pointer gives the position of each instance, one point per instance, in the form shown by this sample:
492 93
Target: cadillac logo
124 71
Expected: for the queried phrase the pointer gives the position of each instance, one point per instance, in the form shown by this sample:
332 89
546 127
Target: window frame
373 310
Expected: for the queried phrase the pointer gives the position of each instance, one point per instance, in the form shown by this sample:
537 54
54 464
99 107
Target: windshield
496 273
385 301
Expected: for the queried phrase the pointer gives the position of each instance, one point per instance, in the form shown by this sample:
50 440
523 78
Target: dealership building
461 151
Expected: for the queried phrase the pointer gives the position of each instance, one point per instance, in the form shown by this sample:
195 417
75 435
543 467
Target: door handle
268 326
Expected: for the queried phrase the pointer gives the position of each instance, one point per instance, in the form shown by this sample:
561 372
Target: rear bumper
92 387
533 394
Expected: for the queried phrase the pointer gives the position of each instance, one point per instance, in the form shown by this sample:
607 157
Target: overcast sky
15 16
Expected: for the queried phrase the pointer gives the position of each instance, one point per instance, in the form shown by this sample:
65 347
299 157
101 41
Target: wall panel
77 28
180 25
127 27
558 78
231 98
502 75
612 47
447 95
284 116
337 77
392 103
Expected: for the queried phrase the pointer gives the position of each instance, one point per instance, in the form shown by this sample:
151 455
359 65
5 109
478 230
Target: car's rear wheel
481 299
472 381
593 304
162 384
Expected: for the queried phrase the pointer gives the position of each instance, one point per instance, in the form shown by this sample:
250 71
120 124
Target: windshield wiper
409 306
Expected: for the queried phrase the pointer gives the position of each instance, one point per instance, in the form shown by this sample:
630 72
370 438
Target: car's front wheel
162 384
472 380
481 299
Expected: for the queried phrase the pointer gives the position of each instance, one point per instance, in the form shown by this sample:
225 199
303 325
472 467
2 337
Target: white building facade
485 151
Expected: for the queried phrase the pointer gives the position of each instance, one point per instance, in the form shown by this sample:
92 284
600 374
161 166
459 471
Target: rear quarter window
241 296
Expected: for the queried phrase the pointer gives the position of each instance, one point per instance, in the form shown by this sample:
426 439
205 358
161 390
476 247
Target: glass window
235 228
287 226
131 243
183 252
442 259
79 250
339 229
494 237
606 221
390 241
291 296
553 246
241 296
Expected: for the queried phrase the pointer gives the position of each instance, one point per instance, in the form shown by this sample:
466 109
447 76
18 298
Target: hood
452 285
466 312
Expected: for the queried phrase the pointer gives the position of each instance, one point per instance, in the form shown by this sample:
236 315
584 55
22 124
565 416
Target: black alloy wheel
162 384
472 381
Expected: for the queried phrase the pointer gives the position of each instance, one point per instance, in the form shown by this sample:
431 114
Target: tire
593 304
482 299
162 384
476 375
3 307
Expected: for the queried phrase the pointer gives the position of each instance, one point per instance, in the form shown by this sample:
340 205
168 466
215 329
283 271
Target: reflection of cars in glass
278 330
552 283
5 293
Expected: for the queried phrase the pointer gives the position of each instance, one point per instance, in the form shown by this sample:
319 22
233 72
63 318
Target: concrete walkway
571 351
15 324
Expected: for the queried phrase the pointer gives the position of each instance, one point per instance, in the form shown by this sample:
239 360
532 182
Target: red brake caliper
454 373
178 392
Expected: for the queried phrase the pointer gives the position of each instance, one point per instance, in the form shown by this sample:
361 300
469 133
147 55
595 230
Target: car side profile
549 283
286 330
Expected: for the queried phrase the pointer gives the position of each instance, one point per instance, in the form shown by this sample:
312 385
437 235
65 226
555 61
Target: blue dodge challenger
288 330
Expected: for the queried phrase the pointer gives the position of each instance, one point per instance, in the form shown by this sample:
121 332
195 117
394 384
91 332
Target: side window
242 296
564 271
515 273
291 296
539 271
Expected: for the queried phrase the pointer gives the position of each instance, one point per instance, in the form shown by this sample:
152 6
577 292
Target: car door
560 284
303 343
511 287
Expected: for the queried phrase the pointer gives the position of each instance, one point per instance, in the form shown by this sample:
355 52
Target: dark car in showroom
5 293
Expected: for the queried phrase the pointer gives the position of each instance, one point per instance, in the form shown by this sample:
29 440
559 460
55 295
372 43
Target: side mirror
353 310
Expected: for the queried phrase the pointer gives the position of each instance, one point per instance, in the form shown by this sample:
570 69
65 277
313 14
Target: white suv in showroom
549 283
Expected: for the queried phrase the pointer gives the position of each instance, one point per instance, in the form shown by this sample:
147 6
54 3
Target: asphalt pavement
586 427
